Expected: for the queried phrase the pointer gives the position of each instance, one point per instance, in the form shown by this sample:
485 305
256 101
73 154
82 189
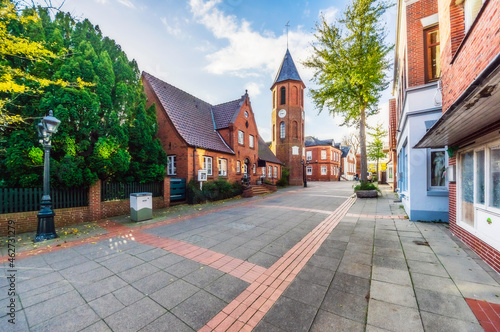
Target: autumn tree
106 131
375 148
350 59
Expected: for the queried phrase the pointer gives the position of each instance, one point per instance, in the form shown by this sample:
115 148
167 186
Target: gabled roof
266 154
287 70
226 113
191 116
313 141
345 151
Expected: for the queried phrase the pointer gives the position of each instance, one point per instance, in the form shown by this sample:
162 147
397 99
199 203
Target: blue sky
215 49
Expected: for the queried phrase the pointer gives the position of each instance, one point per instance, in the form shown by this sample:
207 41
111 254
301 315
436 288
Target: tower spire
287 26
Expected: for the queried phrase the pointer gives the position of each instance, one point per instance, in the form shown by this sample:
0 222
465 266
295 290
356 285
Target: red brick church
221 139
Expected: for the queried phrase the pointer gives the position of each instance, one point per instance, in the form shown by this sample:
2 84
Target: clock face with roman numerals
282 113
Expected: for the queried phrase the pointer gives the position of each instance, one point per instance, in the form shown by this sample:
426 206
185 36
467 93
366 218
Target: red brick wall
28 221
481 45
415 39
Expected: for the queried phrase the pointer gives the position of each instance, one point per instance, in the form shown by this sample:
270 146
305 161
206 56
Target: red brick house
221 139
323 160
470 121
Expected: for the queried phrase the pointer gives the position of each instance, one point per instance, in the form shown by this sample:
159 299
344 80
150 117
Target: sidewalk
302 259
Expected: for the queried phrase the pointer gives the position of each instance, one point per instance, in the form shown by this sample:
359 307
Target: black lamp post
304 171
46 228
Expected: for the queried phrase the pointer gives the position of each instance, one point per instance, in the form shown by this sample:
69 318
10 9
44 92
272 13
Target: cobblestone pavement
302 259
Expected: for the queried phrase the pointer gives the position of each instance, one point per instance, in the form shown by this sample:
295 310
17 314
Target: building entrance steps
308 259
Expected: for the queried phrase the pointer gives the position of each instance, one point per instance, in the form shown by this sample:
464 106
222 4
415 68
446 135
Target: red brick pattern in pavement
248 308
488 314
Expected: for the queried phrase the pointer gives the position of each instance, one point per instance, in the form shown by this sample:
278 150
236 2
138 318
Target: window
270 171
222 167
323 154
436 169
494 175
171 165
282 130
471 9
331 155
480 177
241 137
254 169
323 170
276 171
238 166
250 141
295 150
331 169
283 96
263 171
309 170
207 165
432 57
309 155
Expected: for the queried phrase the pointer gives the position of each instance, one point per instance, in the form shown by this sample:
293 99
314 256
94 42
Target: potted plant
367 190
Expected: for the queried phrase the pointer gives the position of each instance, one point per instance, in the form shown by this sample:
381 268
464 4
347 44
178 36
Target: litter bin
141 206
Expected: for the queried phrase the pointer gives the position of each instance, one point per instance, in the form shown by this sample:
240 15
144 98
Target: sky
217 49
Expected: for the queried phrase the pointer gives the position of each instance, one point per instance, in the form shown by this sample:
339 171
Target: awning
474 114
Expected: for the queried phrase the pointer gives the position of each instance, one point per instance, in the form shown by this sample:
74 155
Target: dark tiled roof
345 151
191 116
287 70
226 113
313 141
266 154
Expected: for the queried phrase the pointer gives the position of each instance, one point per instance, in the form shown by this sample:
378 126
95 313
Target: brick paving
302 259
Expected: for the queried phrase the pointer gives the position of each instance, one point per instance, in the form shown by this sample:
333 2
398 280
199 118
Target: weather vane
287 26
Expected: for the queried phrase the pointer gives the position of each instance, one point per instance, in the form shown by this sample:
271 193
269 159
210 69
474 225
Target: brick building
221 139
421 182
288 119
392 164
323 159
470 121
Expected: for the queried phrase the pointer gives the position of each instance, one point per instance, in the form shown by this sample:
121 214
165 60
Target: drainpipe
194 163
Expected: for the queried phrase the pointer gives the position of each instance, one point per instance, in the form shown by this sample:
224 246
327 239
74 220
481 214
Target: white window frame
324 170
172 165
254 169
276 172
331 169
250 141
282 129
309 155
270 171
429 170
309 170
207 164
241 137
222 167
477 206
238 166
264 171
323 154
471 10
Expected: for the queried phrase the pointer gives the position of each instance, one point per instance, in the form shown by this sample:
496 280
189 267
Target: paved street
301 259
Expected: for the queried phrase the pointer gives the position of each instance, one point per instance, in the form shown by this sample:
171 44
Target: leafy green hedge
212 191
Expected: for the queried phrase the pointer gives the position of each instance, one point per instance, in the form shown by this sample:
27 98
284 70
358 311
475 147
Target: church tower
288 119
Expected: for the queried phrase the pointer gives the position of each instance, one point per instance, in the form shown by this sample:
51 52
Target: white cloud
126 3
174 29
329 14
101 1
249 53
254 89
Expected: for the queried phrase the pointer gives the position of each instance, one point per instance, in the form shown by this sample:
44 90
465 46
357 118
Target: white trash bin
141 206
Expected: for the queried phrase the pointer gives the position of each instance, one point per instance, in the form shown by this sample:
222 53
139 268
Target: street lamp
46 229
304 171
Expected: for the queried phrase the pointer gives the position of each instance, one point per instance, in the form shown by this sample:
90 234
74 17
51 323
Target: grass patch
366 186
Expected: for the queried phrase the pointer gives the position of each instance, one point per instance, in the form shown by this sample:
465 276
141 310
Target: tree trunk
362 143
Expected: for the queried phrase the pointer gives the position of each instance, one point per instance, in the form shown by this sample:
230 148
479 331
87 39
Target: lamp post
46 229
304 171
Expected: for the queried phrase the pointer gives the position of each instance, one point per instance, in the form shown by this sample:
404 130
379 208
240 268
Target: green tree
350 60
106 132
375 148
